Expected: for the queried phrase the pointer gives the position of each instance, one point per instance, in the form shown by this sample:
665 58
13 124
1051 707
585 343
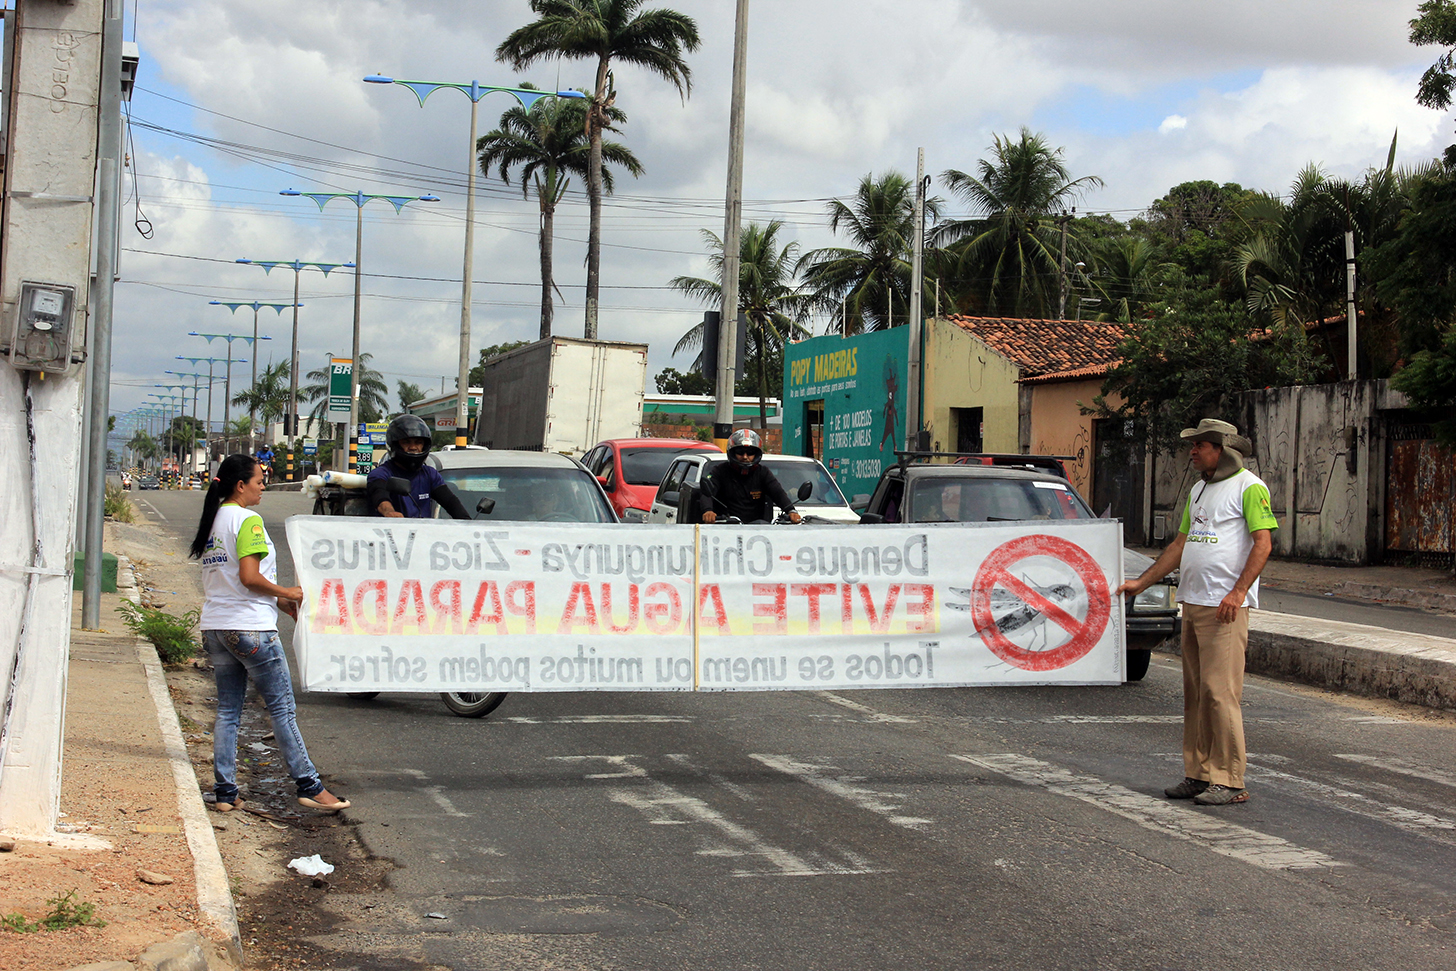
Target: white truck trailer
562 395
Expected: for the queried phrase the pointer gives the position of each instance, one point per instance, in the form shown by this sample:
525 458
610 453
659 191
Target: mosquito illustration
1010 614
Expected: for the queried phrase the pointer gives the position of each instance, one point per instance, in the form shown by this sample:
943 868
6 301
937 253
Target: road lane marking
437 795
601 719
1404 768
625 769
820 776
686 761
1160 815
1411 820
874 716
155 511
665 805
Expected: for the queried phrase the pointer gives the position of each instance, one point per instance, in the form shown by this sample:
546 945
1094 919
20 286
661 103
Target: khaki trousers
1213 688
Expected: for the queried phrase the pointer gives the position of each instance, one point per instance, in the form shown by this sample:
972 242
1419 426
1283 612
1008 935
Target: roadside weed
66 912
174 637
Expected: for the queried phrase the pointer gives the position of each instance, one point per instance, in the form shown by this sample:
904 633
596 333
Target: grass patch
174 637
66 912
117 505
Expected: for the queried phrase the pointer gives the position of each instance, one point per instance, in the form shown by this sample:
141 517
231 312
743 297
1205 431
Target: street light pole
252 405
732 218
291 420
473 90
360 199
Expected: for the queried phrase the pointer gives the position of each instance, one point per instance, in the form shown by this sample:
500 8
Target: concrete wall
960 371
1321 449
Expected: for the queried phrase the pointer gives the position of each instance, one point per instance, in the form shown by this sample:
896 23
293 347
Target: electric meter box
44 322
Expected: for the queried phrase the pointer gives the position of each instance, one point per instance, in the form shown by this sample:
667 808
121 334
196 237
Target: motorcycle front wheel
470 705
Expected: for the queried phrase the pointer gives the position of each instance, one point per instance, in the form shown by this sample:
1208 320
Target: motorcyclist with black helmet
408 438
742 486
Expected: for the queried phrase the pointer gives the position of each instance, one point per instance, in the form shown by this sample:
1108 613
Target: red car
631 468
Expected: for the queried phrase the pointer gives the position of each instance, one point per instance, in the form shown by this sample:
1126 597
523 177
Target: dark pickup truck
915 491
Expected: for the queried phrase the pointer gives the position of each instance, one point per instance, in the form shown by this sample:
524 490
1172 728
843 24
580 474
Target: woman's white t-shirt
1219 521
226 603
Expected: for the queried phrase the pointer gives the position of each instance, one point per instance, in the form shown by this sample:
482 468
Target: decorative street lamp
169 400
297 266
227 387
256 305
196 376
210 361
360 199
473 90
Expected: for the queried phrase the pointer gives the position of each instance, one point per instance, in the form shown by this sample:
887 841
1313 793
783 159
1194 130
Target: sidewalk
128 789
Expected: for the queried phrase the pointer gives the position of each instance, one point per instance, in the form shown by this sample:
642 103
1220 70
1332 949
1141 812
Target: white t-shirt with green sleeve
226 603
1219 521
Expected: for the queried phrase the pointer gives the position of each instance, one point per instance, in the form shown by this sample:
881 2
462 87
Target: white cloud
835 91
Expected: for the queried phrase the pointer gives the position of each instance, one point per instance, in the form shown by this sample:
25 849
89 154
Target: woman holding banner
241 597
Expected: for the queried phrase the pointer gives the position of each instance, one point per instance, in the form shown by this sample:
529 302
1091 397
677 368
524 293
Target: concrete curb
214 893
1419 669
1428 599
1371 661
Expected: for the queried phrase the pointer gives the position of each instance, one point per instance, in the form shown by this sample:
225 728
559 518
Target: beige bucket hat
1226 436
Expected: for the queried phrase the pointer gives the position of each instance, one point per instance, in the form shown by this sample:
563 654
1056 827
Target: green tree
408 393
1436 26
143 445
607 31
1430 382
672 381
1125 276
268 398
547 143
863 284
767 296
373 392
477 373
1007 256
1189 356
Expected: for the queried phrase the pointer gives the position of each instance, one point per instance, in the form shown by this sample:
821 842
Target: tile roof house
999 384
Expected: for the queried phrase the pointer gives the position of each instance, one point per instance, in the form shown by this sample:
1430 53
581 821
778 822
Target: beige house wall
1058 426
962 372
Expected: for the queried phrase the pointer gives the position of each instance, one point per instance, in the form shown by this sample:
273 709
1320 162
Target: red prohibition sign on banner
995 572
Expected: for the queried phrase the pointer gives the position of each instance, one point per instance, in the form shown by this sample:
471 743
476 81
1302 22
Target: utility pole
912 390
46 233
108 151
732 220
1351 370
1062 220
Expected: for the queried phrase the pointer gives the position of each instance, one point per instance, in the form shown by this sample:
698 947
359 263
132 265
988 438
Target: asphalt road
949 828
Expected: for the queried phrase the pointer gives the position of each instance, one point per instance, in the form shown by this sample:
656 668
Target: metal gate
1420 495
1117 478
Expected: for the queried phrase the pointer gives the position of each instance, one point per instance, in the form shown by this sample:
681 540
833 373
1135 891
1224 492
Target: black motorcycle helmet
745 450
403 427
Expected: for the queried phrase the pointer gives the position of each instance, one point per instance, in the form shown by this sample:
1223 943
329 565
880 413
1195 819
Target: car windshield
943 499
531 495
647 466
793 474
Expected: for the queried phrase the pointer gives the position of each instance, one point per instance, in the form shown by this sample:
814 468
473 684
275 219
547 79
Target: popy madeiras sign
428 606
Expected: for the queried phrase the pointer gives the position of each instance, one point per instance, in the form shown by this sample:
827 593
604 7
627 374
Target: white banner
437 605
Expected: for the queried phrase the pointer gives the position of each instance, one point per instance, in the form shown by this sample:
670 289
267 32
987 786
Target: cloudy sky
267 95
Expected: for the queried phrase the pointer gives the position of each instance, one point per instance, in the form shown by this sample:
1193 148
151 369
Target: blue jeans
236 656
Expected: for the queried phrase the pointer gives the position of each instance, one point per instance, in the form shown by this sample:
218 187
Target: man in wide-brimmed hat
1221 547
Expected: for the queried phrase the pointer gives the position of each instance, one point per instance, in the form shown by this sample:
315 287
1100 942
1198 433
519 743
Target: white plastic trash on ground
311 866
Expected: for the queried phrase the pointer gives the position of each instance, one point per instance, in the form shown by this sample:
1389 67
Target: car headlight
1157 597
631 515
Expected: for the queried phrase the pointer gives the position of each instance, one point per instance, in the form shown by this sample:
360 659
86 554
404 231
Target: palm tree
1008 255
268 398
766 296
604 30
868 280
143 445
1123 275
547 143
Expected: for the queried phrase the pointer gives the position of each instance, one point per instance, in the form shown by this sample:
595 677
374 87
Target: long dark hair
233 470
